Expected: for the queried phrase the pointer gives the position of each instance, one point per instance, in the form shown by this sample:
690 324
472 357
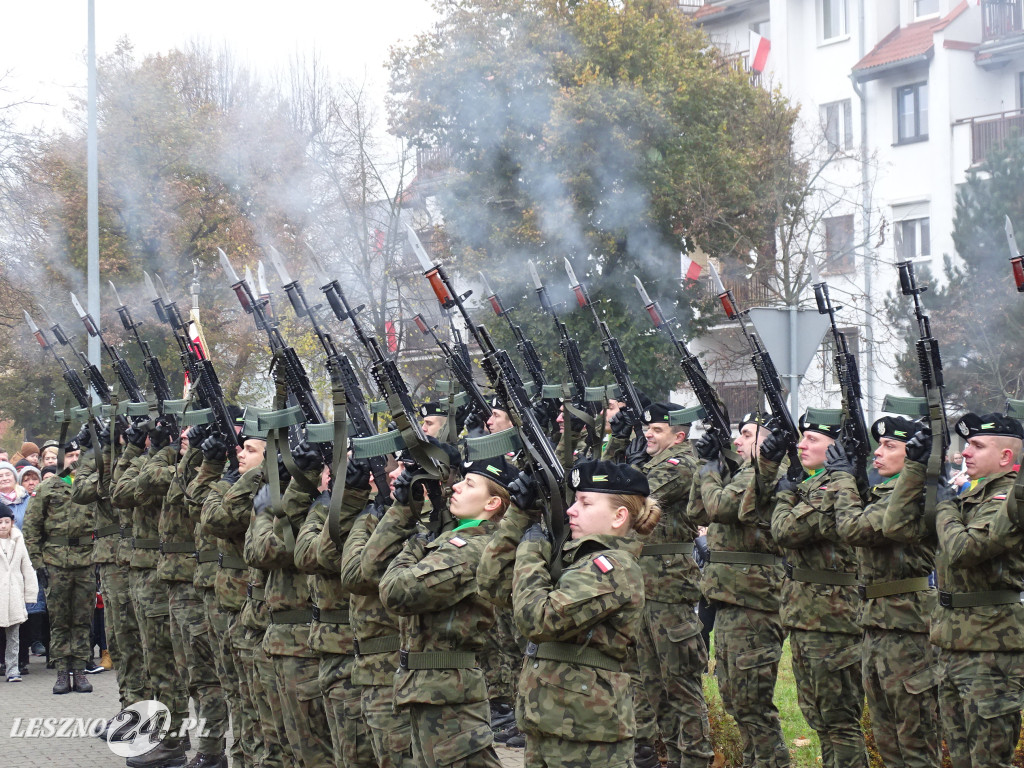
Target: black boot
502 715
164 756
202 760
63 684
82 684
646 756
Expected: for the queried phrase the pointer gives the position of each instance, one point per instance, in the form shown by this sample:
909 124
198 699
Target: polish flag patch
1000 497
458 542
673 462
603 564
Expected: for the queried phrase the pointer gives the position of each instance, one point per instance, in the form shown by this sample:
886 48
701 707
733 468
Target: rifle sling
65 423
935 457
274 438
340 468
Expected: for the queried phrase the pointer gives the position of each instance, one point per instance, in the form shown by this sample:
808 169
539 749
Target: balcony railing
748 293
1001 18
432 161
691 5
989 132
740 61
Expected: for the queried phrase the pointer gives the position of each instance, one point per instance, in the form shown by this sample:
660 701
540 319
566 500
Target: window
831 375
833 19
913 239
838 245
925 8
911 113
837 125
739 399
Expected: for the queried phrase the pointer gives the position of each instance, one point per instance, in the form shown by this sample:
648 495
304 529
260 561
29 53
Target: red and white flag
759 48
690 269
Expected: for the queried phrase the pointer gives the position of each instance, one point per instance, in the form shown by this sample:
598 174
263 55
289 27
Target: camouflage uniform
270 545
365 557
744 577
58 535
671 651
151 593
576 705
165 476
112 552
898 665
820 606
207 553
980 648
432 586
331 633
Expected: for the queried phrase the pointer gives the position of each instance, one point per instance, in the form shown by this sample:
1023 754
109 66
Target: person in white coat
18 587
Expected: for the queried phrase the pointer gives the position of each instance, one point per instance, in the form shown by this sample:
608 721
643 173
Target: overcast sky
43 44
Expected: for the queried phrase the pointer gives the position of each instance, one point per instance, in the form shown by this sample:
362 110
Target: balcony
689 6
989 132
740 61
1000 19
432 161
753 292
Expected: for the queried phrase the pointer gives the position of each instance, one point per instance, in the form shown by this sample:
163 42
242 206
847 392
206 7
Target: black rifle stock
527 351
150 362
71 377
125 375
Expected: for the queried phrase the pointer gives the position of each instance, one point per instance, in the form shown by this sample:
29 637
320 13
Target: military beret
895 428
72 445
657 413
765 420
237 415
829 430
972 424
496 469
608 477
497 405
433 408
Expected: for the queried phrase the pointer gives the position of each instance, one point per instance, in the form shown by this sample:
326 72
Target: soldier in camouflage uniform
112 552
375 630
576 706
670 703
978 624
744 578
270 546
166 475
431 584
820 604
58 536
898 666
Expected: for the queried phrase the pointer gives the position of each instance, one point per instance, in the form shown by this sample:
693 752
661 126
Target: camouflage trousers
350 734
546 751
224 659
123 641
748 645
455 735
70 600
153 611
502 660
306 729
900 682
262 708
670 703
190 634
827 669
390 730
980 696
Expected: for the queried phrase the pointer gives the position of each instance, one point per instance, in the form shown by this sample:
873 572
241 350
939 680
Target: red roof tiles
907 42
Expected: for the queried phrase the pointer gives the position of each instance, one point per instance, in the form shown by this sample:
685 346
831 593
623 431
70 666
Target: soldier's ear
620 520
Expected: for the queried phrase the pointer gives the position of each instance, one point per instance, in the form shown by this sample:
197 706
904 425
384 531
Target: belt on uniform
337 616
296 616
70 541
436 660
177 547
818 576
679 548
569 653
230 561
256 593
743 558
382 644
207 556
974 599
888 588
107 530
145 543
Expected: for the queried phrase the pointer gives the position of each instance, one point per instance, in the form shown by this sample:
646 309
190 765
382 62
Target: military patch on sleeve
1000 497
458 542
603 564
673 462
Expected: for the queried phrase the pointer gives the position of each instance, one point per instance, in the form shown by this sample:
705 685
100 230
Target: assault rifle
339 366
574 364
854 430
767 375
150 362
71 377
616 360
716 419
125 375
99 384
526 349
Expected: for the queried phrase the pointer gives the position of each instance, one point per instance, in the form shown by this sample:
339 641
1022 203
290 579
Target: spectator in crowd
18 587
12 494
30 452
29 478
49 453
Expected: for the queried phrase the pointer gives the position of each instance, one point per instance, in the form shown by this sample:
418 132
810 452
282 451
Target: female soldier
576 699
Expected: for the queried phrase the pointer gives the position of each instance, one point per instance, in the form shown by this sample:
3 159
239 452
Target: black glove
535 533
622 424
786 483
707 447
214 448
307 458
283 475
84 437
357 475
136 435
231 476
636 451
775 445
919 447
523 491
714 465
43 576
162 435
837 460
475 424
198 433
405 491
103 435
261 501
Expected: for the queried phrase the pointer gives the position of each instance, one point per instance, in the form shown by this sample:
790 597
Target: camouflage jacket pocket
759 657
844 657
922 680
308 690
577 703
686 629
998 706
460 746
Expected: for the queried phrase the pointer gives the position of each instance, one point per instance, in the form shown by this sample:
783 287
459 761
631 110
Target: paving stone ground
33 698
